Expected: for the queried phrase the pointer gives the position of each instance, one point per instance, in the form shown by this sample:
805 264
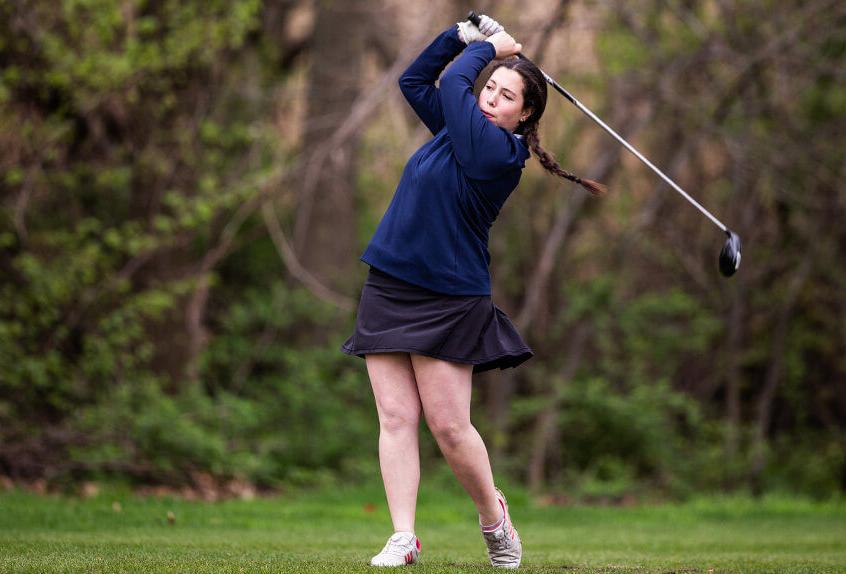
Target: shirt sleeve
483 149
417 83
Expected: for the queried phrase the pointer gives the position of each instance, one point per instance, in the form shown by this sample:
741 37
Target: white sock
495 525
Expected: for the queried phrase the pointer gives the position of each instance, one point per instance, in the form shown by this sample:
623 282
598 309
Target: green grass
332 531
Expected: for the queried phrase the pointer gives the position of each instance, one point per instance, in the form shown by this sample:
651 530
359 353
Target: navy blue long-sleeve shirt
434 233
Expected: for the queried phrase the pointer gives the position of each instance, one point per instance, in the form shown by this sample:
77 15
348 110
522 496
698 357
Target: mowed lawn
337 530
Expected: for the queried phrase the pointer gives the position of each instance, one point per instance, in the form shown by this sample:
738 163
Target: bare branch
286 252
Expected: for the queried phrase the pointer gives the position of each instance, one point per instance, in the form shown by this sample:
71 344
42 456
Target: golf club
730 254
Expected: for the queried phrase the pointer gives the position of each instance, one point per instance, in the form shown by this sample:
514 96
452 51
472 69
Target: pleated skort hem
396 316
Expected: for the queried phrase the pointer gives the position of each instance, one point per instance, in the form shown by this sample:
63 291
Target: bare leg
398 406
445 390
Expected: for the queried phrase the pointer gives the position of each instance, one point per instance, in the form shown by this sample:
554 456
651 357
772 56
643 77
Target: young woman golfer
425 320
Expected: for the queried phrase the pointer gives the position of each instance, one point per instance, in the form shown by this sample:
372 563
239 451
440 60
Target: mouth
487 115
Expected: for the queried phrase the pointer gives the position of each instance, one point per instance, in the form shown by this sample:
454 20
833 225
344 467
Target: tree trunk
546 423
325 237
744 181
774 376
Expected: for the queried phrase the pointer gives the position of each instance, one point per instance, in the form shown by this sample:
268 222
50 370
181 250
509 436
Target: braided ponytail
534 98
530 132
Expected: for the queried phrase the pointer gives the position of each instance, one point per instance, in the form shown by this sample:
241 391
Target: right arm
418 81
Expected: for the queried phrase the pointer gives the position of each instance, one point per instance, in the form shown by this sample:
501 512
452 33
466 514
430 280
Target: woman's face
501 100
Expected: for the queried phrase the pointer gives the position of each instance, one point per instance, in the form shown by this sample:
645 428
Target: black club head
730 255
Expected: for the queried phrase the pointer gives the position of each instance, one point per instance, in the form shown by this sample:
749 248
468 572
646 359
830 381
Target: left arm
483 149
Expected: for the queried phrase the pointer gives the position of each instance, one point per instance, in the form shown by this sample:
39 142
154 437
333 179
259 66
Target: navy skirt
395 316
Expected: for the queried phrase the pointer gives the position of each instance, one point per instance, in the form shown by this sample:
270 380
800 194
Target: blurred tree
149 326
325 227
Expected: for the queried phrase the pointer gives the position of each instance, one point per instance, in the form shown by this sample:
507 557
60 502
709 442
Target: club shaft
475 18
628 146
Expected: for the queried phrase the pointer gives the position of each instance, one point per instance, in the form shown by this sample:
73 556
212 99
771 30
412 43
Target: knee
398 418
448 431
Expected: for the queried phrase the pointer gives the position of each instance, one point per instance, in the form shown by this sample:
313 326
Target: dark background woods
185 189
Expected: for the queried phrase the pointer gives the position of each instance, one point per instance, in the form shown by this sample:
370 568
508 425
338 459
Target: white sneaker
504 547
402 548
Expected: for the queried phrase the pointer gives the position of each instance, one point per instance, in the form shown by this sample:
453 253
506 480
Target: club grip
474 18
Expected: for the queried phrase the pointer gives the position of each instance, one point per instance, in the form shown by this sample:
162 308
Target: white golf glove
468 32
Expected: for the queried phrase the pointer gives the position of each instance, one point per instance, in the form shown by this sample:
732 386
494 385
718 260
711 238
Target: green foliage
294 415
645 337
661 330
621 51
137 425
118 172
811 464
315 403
617 442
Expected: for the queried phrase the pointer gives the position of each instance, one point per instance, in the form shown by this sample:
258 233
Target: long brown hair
534 97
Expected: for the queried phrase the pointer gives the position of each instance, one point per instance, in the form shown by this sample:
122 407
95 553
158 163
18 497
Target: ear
526 114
